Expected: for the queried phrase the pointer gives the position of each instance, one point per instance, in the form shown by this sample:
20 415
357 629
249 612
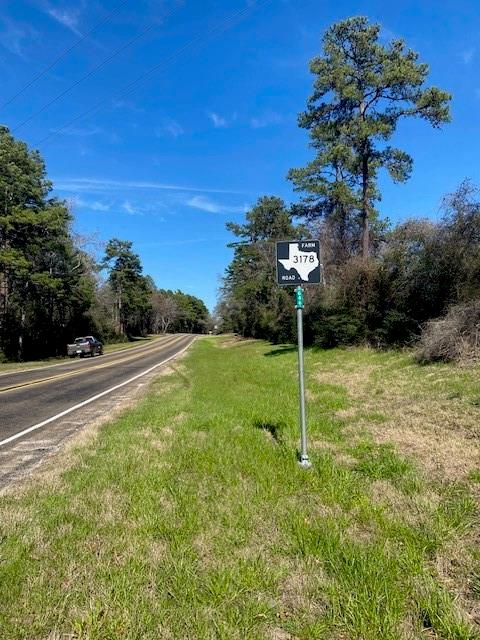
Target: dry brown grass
442 435
454 568
437 430
297 547
234 341
339 456
277 633
301 589
157 550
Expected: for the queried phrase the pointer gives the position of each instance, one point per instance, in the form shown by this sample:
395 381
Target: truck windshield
79 340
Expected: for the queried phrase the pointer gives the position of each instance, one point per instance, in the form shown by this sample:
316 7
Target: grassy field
5 367
189 517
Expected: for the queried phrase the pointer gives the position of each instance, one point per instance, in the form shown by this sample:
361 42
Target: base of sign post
304 462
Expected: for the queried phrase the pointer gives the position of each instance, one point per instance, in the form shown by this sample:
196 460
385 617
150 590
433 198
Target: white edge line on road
92 399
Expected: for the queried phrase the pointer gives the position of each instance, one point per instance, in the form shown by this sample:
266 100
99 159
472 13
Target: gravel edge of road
40 463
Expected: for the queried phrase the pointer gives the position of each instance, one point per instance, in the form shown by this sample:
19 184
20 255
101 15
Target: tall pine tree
361 91
46 284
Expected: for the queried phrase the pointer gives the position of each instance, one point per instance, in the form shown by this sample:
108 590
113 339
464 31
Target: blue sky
167 163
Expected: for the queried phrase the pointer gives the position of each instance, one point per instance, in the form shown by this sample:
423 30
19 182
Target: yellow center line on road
68 361
88 401
77 372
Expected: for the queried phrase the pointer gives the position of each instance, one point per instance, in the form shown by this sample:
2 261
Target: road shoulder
20 463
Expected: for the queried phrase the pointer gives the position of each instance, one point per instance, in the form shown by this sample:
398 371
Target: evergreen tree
191 313
132 291
252 304
46 285
361 91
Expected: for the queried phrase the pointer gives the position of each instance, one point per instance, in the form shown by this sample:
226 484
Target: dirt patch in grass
441 434
454 568
234 341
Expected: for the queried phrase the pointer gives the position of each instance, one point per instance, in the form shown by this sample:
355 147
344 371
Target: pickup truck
87 346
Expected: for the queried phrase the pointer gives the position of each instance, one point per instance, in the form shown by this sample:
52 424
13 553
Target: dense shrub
335 328
455 337
415 273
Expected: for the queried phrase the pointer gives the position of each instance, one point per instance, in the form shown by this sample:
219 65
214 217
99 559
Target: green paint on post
299 298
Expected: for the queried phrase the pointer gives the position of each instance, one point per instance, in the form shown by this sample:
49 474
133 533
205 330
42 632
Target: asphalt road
28 398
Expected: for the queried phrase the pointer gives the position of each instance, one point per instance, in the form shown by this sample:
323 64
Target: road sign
298 262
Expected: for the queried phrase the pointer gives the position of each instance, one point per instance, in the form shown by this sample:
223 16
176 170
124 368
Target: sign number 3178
303 259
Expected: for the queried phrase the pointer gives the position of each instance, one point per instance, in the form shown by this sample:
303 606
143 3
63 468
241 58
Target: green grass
6 367
190 518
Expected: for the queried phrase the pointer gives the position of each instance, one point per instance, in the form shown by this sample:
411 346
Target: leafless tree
165 311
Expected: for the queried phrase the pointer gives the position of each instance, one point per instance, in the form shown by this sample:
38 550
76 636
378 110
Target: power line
199 39
64 53
90 73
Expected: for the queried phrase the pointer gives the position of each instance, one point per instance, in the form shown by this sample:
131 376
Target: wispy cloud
99 206
467 55
387 35
96 185
132 208
266 120
114 138
87 132
69 18
95 205
169 127
128 207
127 105
219 122
81 132
206 204
14 36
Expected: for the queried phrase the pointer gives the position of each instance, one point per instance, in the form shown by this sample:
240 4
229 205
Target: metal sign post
299 263
304 460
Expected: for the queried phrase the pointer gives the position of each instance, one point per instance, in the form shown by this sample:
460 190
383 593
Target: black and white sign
298 262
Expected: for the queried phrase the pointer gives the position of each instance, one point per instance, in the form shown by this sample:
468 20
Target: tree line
52 289
381 282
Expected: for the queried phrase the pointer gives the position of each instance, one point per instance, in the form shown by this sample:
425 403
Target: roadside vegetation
189 516
383 284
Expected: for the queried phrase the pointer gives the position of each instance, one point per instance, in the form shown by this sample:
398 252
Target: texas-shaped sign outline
289 266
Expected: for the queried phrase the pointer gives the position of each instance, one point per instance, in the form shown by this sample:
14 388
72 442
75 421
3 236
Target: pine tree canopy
362 88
